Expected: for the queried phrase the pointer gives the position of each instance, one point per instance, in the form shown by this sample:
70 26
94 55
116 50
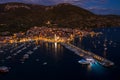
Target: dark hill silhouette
16 17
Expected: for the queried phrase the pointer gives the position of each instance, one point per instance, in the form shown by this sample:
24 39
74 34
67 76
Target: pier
86 54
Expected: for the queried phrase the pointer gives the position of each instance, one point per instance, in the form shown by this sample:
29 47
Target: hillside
16 17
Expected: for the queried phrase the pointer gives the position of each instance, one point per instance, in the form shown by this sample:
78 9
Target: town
47 34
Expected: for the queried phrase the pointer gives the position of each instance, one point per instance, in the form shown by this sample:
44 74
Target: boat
105 48
82 61
4 69
45 63
26 56
1 51
90 60
35 48
9 57
29 52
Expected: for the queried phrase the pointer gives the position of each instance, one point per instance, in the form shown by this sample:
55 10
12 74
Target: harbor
85 54
39 59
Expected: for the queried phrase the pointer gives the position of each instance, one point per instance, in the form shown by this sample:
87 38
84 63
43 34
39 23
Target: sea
38 60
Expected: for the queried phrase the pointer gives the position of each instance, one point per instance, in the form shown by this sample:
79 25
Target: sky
96 6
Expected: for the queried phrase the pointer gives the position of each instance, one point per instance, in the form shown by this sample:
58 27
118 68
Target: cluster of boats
17 50
26 56
21 49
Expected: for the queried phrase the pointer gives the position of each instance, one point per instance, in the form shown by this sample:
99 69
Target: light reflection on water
94 67
55 44
89 67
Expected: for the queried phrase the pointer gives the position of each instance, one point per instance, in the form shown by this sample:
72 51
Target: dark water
54 62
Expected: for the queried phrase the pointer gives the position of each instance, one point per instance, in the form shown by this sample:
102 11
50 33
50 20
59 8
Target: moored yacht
4 69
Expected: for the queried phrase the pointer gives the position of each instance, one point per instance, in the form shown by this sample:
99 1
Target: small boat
29 52
19 51
26 56
45 63
9 57
4 69
105 48
35 48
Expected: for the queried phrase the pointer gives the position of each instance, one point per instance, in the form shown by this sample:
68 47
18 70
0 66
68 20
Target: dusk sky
96 6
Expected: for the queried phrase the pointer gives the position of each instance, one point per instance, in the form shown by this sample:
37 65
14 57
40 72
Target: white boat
19 51
35 48
82 61
45 63
105 48
29 52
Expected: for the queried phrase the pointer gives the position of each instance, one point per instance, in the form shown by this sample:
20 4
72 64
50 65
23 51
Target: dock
86 54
